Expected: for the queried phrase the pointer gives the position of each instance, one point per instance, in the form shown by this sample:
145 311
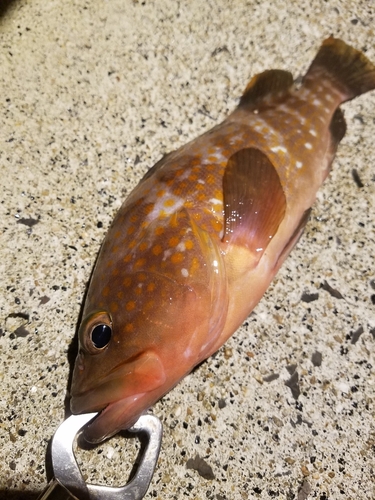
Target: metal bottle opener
68 483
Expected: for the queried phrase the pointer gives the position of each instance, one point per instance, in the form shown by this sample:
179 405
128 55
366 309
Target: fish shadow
18 495
4 6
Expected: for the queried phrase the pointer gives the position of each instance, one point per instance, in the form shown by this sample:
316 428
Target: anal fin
254 200
293 240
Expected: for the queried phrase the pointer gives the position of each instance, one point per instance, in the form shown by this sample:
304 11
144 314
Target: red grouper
196 244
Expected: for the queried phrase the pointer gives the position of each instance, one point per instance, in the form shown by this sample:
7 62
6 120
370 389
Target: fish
195 245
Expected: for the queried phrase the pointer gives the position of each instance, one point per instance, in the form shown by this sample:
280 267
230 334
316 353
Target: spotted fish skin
196 244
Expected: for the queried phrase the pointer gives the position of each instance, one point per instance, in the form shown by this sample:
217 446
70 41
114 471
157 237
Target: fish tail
348 69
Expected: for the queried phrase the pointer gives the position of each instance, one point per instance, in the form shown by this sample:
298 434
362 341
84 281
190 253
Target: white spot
259 249
167 254
276 149
299 164
328 97
256 111
215 201
184 272
312 132
200 181
181 247
33 389
308 145
317 102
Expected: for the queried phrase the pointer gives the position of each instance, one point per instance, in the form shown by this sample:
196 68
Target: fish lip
97 430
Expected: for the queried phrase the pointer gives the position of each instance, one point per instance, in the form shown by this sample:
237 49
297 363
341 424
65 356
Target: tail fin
349 69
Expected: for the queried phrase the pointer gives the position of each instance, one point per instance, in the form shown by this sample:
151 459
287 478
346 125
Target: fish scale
196 244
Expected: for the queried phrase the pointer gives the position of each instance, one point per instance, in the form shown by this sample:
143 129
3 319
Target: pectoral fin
254 200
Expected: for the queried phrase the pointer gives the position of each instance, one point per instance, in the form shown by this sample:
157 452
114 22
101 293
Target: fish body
196 244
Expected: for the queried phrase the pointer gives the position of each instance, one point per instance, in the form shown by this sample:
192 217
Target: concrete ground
93 93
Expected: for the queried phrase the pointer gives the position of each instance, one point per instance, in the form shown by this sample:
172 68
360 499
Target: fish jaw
121 396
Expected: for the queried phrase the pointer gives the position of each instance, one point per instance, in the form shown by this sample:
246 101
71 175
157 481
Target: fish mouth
121 396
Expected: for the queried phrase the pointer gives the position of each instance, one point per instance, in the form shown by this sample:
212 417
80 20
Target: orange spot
114 307
143 246
134 218
177 191
147 209
130 230
140 262
138 290
174 221
189 244
157 249
127 281
159 231
212 159
223 163
179 172
142 276
120 295
217 225
174 241
194 266
149 304
211 151
193 177
169 203
128 258
177 257
129 327
132 244
130 305
151 287
201 196
105 291
210 179
160 193
115 272
117 234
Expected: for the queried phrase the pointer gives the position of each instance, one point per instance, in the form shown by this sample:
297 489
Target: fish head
131 354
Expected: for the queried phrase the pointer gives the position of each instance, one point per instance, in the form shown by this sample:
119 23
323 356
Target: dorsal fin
254 200
268 83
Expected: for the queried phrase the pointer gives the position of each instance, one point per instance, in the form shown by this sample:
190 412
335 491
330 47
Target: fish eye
101 335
